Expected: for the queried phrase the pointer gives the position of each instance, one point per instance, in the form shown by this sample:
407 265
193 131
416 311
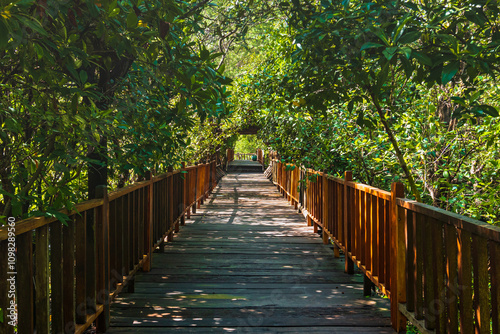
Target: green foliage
118 78
248 144
389 90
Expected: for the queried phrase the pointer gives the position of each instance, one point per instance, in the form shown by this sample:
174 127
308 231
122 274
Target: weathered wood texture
66 275
246 262
440 269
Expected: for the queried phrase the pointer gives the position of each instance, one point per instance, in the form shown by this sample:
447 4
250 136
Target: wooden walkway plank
246 262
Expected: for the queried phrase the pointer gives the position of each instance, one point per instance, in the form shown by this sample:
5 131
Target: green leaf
370 45
204 54
405 50
477 16
33 24
409 37
4 34
407 66
421 58
489 110
380 34
222 68
350 106
390 52
459 100
382 77
17 207
449 72
83 76
359 119
400 28
131 20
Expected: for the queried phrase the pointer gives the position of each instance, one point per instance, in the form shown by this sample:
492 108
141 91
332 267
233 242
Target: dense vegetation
392 90
97 92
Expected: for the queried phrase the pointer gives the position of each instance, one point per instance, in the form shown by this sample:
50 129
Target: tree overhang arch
249 130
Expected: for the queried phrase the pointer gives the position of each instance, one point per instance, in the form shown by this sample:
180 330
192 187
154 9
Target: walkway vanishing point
248 263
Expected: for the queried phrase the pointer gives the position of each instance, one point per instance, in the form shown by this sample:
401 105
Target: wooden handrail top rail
371 190
165 175
334 178
128 189
474 226
32 223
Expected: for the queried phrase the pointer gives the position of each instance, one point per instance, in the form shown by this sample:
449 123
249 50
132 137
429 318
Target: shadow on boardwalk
247 263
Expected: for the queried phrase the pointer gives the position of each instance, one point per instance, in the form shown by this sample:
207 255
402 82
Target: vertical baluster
5 287
103 266
349 221
398 259
68 278
481 290
42 279
439 274
465 281
418 264
91 262
368 232
494 249
381 240
452 279
410 263
126 234
374 238
81 270
56 277
428 265
113 236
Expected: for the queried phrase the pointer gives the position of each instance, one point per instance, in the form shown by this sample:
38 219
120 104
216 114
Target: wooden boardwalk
247 263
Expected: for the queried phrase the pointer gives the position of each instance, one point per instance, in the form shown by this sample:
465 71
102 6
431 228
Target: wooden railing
260 156
89 260
244 156
440 270
229 155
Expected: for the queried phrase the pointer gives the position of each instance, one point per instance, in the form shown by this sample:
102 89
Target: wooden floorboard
247 263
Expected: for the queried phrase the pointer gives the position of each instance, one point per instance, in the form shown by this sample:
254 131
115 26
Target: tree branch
194 9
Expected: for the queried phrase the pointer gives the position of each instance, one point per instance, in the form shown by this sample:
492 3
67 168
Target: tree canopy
97 92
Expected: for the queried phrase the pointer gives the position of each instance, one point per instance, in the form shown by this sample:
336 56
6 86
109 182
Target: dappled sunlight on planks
246 262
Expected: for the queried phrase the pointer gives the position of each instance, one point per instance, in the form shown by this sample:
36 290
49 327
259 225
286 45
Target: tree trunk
98 170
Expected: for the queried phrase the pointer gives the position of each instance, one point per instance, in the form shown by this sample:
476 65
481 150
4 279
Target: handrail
245 156
92 258
440 270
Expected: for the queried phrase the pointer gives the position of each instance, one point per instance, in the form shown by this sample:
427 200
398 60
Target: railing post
4 288
102 259
184 193
398 259
325 207
201 184
148 224
68 284
348 220
170 204
195 187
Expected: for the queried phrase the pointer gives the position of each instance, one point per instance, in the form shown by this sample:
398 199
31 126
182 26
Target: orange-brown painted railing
260 156
244 156
92 258
229 155
440 270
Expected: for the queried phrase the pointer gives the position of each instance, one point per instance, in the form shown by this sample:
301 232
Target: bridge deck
245 166
247 262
